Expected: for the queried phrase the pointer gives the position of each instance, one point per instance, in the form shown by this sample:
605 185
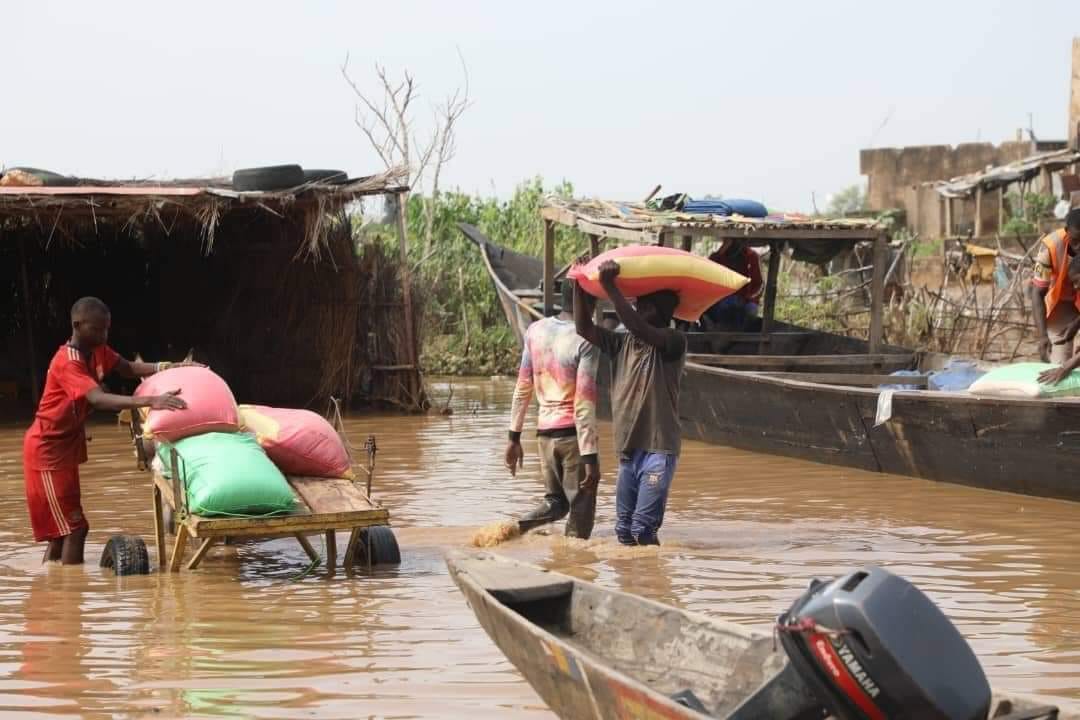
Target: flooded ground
743 535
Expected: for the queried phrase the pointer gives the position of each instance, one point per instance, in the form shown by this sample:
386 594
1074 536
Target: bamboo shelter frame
70 213
630 223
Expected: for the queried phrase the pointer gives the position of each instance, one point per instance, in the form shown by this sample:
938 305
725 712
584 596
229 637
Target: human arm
1037 298
585 411
523 394
139 369
584 305
101 400
637 325
752 291
1054 375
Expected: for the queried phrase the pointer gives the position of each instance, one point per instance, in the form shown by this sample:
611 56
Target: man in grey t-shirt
648 364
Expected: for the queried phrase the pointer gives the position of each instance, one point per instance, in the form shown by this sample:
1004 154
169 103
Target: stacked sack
228 471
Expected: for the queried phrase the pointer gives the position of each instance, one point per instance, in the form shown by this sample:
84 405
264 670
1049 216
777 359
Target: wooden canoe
595 653
814 396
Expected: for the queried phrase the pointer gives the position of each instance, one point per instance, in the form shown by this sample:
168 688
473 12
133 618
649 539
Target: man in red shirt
736 311
55 444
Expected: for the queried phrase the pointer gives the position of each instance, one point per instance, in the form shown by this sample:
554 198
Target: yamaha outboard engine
870 646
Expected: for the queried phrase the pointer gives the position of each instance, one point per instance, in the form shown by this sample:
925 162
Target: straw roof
635 222
167 203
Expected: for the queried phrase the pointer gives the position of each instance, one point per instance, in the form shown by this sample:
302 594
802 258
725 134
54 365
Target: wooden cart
324 506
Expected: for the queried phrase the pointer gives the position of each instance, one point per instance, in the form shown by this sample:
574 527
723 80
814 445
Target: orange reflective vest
1057 243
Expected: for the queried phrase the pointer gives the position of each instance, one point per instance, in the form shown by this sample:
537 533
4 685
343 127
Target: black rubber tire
271 177
126 555
383 544
47 177
328 177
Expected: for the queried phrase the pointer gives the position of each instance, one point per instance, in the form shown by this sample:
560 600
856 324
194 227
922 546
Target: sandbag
1021 381
229 474
299 442
643 269
211 406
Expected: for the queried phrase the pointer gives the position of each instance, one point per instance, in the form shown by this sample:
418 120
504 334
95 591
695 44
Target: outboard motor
870 646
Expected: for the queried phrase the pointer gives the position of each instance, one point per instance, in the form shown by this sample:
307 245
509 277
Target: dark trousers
564 474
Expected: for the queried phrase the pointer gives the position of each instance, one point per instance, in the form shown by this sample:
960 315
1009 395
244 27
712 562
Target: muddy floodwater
744 533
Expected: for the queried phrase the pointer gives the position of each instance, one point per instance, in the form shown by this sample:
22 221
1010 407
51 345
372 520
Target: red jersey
57 439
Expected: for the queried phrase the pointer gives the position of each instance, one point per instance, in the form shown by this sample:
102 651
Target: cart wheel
384 547
126 554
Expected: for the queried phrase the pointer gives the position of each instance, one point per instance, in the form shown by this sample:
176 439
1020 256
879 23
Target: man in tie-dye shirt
560 367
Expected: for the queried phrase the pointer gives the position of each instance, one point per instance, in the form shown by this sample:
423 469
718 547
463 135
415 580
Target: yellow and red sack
645 269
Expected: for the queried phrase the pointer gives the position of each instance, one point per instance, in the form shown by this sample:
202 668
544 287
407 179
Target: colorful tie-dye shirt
560 366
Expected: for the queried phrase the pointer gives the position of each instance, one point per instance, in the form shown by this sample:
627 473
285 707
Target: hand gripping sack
228 474
299 442
698 281
211 406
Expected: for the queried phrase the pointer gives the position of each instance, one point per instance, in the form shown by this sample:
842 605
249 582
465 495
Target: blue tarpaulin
733 206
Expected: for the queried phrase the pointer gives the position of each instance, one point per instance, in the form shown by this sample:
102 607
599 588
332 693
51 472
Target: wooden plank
330 495
331 552
159 526
286 524
877 294
769 316
178 548
978 211
306 544
549 269
411 350
795 360
177 483
31 351
856 379
201 553
748 336
350 552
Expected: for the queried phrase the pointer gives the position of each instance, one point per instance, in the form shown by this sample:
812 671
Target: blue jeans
641 493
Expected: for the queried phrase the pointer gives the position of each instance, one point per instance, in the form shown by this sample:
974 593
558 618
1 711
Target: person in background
55 444
648 363
1054 375
1054 301
738 310
560 368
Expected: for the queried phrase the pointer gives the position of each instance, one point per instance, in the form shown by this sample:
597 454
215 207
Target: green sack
229 474
1021 381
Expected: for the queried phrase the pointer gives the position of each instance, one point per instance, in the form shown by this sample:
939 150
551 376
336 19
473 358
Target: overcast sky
770 100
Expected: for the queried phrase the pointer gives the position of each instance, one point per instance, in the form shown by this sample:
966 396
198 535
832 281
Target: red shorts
54 501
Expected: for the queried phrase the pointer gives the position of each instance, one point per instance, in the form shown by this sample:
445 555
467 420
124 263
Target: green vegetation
848 201
464 329
1026 211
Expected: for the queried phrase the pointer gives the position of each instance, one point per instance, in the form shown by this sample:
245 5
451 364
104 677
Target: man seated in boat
1054 300
738 311
648 363
55 444
559 367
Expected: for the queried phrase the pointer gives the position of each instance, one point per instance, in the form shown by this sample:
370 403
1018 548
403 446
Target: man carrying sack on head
1054 300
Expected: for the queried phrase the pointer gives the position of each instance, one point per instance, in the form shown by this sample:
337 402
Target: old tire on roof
271 177
47 177
382 544
330 177
126 555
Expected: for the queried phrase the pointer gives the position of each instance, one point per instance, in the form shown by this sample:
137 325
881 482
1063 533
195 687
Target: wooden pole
948 217
549 268
771 281
28 315
877 292
978 211
406 296
687 242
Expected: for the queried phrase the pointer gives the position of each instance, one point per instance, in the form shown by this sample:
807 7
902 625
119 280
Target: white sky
770 100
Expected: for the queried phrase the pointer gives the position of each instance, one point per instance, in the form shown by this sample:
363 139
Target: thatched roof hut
270 287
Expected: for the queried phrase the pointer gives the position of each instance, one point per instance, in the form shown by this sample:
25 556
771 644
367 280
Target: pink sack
299 442
211 406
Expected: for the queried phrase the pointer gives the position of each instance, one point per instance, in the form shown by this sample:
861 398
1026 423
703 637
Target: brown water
743 535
